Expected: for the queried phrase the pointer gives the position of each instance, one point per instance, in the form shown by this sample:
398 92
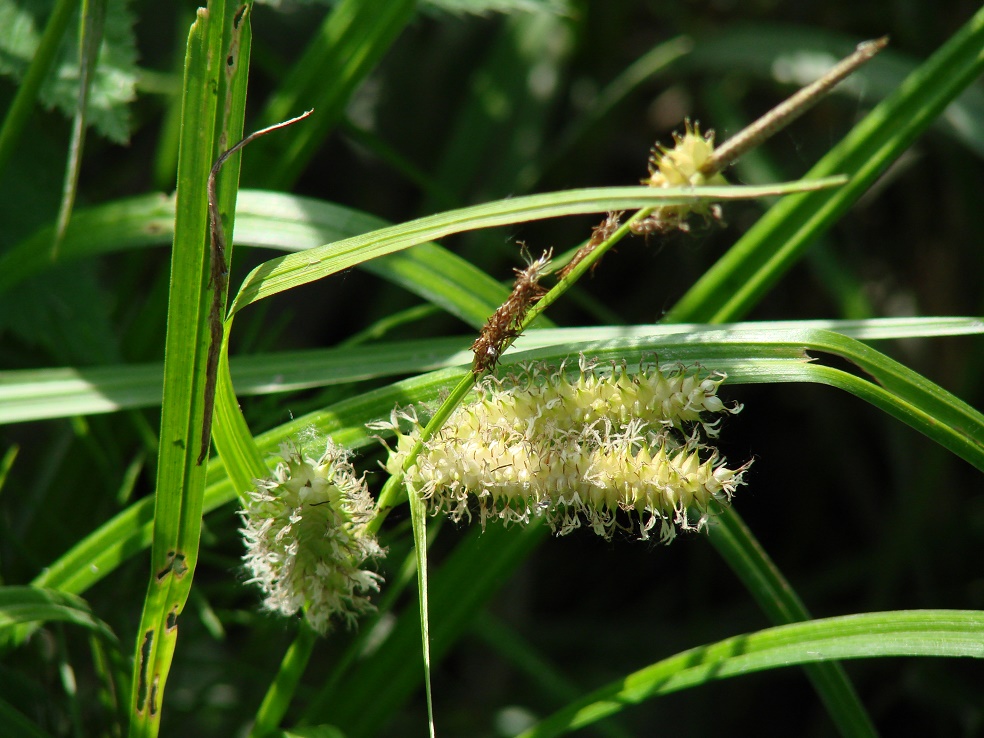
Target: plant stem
392 492
790 109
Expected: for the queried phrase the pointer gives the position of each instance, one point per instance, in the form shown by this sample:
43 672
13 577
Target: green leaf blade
950 633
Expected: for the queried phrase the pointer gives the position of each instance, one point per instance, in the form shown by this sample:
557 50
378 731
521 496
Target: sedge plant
266 586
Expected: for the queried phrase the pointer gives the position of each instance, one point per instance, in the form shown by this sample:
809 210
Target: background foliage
434 107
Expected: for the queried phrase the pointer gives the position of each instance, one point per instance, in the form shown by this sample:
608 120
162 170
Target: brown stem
792 108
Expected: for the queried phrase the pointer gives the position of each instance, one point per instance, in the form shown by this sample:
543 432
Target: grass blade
17 117
745 273
37 394
20 605
93 18
747 357
281 692
16 725
346 48
742 552
293 270
789 54
217 60
904 633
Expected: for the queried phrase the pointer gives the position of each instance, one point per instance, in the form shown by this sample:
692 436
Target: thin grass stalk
19 113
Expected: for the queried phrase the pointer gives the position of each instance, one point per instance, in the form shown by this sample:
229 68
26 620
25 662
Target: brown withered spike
504 323
599 234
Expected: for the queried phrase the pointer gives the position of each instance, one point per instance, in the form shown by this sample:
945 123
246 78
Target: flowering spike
576 449
680 166
304 528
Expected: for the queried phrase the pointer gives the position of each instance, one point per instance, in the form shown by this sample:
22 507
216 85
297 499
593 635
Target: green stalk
27 91
392 491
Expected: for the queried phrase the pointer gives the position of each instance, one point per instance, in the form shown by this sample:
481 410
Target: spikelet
599 234
306 539
680 166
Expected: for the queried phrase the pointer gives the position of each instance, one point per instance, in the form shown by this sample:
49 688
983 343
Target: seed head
304 529
680 166
577 449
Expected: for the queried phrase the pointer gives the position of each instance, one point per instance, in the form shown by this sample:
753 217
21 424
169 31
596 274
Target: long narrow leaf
745 360
19 113
93 18
743 276
294 270
343 51
35 605
265 219
16 725
742 552
904 633
55 393
218 53
789 54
